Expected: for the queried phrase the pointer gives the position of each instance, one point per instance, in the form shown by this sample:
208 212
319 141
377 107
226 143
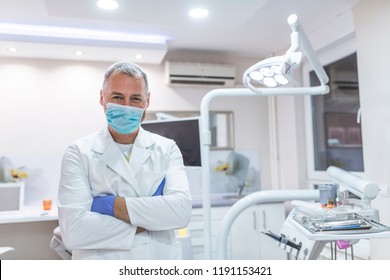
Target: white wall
373 43
292 161
46 104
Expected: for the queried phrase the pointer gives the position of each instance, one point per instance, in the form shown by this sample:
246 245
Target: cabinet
29 232
196 231
245 240
248 243
31 240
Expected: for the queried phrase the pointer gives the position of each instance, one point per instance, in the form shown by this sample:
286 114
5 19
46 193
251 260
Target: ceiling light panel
198 13
90 53
77 33
107 4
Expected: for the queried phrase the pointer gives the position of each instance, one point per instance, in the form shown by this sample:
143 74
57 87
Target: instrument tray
351 223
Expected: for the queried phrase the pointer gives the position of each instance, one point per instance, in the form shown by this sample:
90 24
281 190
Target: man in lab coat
123 191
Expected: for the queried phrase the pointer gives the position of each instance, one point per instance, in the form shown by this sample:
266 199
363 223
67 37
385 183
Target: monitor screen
185 132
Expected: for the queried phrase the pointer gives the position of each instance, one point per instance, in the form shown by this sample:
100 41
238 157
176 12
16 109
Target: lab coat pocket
164 246
150 181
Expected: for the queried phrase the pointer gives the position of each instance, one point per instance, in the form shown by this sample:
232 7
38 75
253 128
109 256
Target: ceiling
55 29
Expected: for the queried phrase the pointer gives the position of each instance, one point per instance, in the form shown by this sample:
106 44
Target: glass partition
336 130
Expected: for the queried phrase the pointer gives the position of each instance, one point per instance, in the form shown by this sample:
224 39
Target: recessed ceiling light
107 4
198 13
139 56
12 50
78 53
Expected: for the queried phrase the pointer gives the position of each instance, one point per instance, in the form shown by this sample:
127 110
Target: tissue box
11 196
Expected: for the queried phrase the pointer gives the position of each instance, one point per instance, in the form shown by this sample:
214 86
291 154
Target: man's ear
101 97
148 100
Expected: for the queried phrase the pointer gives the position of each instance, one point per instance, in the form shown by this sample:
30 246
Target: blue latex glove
103 205
160 188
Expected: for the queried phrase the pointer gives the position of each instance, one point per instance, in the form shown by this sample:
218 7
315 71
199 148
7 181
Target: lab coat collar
110 154
141 150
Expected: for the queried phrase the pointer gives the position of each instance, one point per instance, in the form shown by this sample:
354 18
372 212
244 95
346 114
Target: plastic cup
328 195
47 204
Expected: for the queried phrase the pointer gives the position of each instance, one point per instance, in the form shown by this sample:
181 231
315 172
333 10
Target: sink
219 199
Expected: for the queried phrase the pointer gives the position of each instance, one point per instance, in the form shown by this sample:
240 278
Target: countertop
28 214
218 200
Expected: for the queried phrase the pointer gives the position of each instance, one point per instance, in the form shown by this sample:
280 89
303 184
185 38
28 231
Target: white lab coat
95 166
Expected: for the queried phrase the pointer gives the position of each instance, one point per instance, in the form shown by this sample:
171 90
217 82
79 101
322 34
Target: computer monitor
185 132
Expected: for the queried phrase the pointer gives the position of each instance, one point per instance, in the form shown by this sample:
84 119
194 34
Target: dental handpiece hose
283 240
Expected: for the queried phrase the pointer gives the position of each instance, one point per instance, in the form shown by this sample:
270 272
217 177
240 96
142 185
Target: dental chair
57 245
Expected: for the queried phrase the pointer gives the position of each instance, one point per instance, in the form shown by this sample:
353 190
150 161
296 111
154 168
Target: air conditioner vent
181 73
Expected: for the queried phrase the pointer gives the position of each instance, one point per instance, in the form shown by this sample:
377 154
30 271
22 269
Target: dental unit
270 77
310 226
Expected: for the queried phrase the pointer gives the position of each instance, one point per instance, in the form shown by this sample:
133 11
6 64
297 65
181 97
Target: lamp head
277 71
274 71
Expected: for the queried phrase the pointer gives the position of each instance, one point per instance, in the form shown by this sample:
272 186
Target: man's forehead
131 93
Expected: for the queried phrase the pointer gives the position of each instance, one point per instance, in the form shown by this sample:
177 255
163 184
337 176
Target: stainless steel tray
349 224
353 224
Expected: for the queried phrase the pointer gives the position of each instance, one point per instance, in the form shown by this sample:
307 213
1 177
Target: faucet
241 188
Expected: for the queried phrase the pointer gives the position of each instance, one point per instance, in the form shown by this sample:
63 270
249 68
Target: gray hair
127 68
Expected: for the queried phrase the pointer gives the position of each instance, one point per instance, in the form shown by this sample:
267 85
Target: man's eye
136 100
117 97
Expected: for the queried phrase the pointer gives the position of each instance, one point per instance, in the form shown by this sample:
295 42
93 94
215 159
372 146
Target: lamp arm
294 42
307 48
205 140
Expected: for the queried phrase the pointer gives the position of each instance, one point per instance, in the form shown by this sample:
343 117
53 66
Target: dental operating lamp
275 72
280 70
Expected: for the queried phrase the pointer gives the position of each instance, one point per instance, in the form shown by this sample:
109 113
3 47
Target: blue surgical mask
124 119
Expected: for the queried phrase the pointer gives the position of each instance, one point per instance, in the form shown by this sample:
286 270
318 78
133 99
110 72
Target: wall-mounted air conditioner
186 73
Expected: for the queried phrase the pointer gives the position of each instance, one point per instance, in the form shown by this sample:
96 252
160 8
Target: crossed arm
120 212
116 206
79 223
